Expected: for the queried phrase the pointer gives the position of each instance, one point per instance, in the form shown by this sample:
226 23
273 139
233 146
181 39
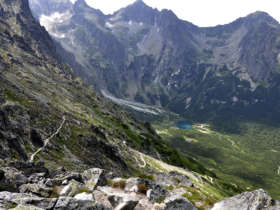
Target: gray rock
256 200
64 177
172 179
153 191
115 200
37 189
178 203
27 199
135 185
157 193
84 196
144 204
14 177
71 189
68 203
94 177
127 205
122 203
37 177
26 207
101 197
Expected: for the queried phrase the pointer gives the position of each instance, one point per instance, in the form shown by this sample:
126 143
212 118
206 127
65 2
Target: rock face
256 200
193 71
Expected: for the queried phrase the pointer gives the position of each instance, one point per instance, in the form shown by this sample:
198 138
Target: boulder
256 200
153 191
180 179
157 193
37 177
68 203
177 202
63 178
159 206
37 189
138 185
84 196
26 207
172 179
123 202
144 204
127 205
71 189
13 178
101 197
26 199
94 177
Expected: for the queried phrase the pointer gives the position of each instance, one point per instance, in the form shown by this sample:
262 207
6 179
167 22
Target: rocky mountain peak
260 16
81 3
139 12
140 3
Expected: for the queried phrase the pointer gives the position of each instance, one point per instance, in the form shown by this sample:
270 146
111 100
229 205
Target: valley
249 158
136 110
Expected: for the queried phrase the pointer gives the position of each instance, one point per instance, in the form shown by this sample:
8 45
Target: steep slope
44 104
155 58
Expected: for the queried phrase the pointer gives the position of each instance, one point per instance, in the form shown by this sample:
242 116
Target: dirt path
46 142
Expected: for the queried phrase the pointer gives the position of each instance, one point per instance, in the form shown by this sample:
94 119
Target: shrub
146 176
55 192
143 188
117 184
82 190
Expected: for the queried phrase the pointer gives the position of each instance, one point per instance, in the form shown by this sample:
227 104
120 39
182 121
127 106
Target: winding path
46 142
143 160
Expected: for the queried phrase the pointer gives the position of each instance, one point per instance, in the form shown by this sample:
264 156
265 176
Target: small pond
184 125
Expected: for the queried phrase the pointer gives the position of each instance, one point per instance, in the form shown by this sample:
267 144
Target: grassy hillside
249 158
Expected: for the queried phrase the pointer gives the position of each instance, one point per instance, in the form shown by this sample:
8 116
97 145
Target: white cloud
199 12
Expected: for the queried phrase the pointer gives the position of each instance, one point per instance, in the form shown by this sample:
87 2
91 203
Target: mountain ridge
153 57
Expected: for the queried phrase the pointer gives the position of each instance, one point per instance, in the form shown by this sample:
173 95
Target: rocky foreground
32 186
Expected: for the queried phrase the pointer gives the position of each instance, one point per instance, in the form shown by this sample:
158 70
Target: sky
200 12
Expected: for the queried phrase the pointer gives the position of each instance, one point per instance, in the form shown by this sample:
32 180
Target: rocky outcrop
62 190
256 200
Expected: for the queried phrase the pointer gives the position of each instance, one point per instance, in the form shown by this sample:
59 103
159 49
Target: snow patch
52 21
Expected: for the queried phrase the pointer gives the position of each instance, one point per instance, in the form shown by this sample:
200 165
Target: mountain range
152 57
65 146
